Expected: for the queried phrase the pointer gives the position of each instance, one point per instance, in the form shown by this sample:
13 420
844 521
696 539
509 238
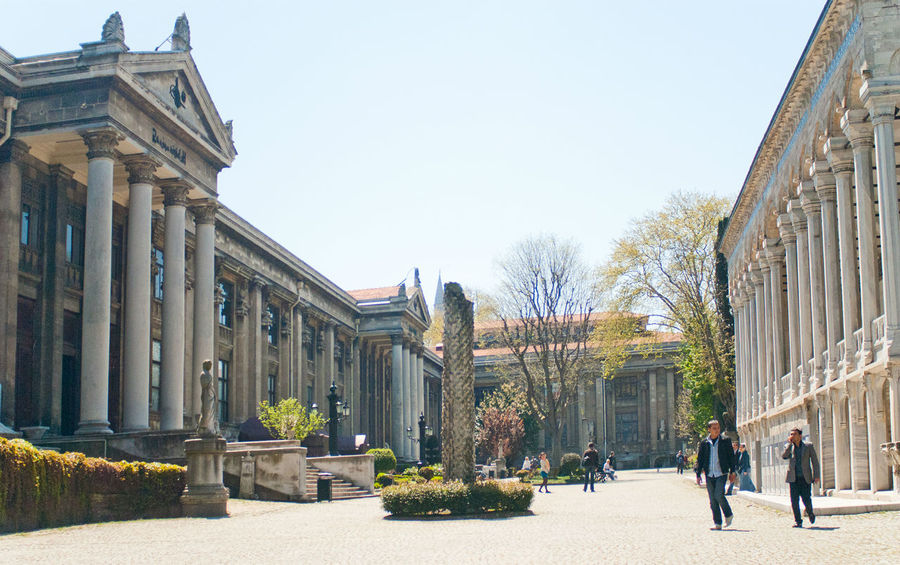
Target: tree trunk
555 447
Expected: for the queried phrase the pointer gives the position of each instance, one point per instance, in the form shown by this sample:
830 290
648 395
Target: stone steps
340 490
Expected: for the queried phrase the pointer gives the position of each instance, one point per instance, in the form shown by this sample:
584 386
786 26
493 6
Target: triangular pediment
418 308
173 82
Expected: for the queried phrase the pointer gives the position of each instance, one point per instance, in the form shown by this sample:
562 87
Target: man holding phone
803 471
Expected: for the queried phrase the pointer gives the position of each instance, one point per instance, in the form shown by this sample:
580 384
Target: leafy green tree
289 419
666 263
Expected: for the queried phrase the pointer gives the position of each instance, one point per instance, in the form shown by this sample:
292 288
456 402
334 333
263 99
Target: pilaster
813 209
826 190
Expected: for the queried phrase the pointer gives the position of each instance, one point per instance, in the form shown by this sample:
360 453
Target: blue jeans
715 488
590 474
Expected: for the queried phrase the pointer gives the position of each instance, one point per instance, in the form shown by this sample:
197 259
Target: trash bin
323 487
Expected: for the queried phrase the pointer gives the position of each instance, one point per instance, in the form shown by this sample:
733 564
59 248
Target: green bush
384 479
523 475
426 473
569 463
41 489
455 497
384 460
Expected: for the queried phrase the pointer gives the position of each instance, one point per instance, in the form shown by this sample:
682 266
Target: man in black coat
715 458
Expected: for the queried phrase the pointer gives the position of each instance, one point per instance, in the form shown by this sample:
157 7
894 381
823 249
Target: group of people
721 461
590 461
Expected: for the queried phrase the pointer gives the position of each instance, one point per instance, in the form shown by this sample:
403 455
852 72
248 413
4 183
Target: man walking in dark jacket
715 458
590 460
803 471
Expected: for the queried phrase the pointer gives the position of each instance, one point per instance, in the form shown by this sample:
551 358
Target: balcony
226 335
786 387
29 260
878 330
74 276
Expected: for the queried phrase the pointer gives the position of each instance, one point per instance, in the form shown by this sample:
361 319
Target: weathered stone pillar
859 132
826 190
756 277
204 291
767 371
171 394
95 316
739 360
420 377
859 445
789 238
136 396
398 430
775 258
752 354
841 433
410 419
798 221
458 436
879 472
654 413
882 113
841 160
826 446
11 154
813 209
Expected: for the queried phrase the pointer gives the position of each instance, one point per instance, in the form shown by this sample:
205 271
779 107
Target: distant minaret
439 296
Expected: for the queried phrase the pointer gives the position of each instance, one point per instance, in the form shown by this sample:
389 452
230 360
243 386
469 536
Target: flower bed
419 499
40 489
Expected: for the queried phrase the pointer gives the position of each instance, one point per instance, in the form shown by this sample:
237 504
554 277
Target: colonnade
407 394
815 324
96 317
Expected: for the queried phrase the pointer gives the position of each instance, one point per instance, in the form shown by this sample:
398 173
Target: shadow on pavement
487 516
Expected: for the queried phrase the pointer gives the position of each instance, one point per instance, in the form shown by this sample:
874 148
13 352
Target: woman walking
545 473
744 469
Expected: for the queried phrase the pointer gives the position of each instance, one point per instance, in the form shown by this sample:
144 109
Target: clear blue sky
378 136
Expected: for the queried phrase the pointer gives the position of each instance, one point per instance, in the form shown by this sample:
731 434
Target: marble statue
209 404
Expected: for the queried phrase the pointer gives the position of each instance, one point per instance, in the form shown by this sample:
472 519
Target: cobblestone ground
644 517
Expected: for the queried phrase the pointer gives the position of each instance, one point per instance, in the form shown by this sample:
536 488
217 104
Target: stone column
670 406
739 361
654 414
826 441
408 395
136 397
861 139
813 209
775 258
768 369
743 343
398 429
789 238
11 154
204 291
859 445
798 220
611 430
329 372
841 439
757 278
882 113
95 315
420 377
879 472
753 353
826 190
841 160
171 394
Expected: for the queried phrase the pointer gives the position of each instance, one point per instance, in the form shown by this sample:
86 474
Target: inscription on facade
178 153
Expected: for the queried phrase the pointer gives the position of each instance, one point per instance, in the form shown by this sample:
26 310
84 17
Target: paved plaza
644 517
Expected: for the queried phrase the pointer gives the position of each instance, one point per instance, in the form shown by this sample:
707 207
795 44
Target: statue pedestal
205 494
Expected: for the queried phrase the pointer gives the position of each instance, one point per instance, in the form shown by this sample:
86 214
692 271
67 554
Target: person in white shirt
608 470
526 464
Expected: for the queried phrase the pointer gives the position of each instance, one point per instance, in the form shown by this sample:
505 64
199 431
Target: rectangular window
26 224
155 370
273 327
626 427
75 245
223 391
626 388
226 308
158 265
273 388
311 346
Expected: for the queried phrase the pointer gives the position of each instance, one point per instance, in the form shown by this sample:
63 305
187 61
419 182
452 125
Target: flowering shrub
455 497
40 489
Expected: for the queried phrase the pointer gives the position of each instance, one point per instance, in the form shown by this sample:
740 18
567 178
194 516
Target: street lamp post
422 427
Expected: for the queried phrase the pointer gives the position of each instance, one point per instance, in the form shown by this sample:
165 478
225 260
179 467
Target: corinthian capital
175 192
101 142
205 213
140 168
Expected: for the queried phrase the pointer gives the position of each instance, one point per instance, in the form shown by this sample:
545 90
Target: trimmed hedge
40 489
384 460
455 497
569 464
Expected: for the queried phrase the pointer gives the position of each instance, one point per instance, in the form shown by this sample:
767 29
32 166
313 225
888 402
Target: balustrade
226 334
786 387
878 330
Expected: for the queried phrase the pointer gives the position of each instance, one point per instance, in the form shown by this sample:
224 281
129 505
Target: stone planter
34 433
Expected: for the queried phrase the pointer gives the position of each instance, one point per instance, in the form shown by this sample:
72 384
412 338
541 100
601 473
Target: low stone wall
268 470
161 446
356 469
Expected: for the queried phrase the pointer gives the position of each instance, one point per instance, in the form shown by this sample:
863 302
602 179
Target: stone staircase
340 490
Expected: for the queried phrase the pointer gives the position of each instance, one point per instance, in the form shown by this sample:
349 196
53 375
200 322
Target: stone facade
120 271
813 249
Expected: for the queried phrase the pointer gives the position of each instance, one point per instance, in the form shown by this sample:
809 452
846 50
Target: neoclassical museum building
120 271
633 413
813 251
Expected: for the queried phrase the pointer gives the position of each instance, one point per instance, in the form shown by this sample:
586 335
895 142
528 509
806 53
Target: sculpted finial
113 30
181 37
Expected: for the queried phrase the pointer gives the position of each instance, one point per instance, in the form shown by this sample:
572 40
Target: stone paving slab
644 517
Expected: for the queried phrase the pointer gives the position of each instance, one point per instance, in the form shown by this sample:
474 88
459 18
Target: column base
93 427
135 429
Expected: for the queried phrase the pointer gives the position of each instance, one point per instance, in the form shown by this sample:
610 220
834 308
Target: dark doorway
26 391
70 408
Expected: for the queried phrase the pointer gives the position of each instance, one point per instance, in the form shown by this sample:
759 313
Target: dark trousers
715 488
590 474
801 489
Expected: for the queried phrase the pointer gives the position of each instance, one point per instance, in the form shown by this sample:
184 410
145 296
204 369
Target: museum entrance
27 413
70 407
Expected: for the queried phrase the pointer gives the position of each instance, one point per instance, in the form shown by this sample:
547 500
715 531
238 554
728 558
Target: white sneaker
728 520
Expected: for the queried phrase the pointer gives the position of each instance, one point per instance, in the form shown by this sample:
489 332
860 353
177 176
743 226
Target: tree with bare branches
666 264
544 305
